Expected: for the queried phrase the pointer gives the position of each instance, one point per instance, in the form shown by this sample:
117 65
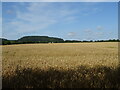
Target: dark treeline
46 39
31 39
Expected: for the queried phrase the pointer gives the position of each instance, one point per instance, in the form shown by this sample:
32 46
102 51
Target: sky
0 19
67 20
59 0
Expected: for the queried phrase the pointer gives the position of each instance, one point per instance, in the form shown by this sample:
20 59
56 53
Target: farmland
60 65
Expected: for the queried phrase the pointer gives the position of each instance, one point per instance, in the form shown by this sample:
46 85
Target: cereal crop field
61 65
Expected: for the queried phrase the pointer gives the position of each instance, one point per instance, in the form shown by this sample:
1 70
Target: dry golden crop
61 65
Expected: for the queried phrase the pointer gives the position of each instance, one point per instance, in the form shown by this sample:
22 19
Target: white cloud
99 27
72 34
88 31
99 34
39 16
92 35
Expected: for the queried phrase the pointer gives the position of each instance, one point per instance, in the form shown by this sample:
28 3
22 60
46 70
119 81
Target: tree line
46 39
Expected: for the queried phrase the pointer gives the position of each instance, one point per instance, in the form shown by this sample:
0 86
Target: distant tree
91 40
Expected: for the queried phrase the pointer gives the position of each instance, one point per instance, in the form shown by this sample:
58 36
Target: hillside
39 39
31 39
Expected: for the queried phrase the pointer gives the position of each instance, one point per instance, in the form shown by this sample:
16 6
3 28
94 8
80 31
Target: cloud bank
38 16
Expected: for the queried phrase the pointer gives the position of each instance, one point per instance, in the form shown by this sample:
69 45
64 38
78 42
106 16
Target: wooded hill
46 39
32 39
43 39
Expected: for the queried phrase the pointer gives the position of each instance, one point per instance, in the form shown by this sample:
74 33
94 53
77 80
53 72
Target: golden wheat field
61 65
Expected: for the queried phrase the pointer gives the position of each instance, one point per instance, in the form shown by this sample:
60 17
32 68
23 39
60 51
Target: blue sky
0 19
70 20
